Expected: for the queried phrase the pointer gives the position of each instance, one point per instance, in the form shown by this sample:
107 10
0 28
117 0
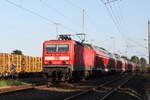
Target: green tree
143 63
135 59
17 52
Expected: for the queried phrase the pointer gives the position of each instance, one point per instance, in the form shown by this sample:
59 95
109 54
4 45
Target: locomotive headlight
67 62
106 70
64 58
46 62
49 58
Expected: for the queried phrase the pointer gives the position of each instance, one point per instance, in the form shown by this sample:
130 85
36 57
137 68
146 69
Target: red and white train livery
66 58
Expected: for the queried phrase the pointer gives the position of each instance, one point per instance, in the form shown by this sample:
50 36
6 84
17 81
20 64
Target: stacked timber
22 63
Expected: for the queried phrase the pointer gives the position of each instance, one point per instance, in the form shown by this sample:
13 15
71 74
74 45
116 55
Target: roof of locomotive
86 45
58 41
101 49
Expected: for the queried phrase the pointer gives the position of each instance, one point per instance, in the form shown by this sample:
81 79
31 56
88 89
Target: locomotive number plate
56 62
56 58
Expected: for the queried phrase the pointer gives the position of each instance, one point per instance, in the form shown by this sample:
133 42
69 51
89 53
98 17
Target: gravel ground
57 91
98 93
133 90
34 94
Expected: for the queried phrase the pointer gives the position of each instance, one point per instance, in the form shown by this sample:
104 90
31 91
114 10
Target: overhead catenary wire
135 42
86 14
78 7
118 11
111 15
49 20
57 11
117 21
119 17
112 1
130 39
114 18
53 8
92 22
37 14
28 10
71 3
83 18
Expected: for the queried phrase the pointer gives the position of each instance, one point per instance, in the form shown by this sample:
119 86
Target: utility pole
83 21
149 40
82 34
56 23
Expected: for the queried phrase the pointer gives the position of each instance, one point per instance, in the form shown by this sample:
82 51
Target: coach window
51 47
63 47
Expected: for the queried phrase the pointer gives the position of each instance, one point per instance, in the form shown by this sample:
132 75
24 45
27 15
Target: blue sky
22 30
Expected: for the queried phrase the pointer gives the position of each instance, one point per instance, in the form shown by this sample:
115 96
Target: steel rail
20 88
15 89
91 89
114 89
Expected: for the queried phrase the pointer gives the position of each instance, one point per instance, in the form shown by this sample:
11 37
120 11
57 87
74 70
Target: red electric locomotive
66 58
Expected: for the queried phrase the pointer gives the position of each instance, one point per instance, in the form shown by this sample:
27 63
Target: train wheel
45 76
68 76
49 82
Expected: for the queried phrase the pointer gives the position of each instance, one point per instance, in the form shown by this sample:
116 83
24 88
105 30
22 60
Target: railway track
94 92
102 91
11 89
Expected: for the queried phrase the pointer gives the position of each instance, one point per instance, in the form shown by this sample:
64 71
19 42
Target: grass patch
10 83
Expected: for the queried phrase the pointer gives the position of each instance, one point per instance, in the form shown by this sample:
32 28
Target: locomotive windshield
63 47
51 47
57 47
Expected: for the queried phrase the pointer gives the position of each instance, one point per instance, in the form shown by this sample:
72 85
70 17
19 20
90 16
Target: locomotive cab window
63 47
57 47
51 47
